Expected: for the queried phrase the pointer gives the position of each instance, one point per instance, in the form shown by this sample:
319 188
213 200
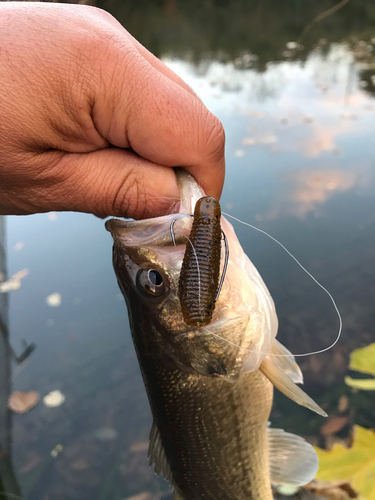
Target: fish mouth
155 232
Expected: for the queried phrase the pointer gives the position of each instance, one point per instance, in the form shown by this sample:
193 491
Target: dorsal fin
157 454
286 385
292 459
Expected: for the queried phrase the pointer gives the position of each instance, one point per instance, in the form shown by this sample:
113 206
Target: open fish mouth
154 232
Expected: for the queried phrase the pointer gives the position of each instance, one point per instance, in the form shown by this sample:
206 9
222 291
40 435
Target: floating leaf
363 360
355 464
22 402
54 399
53 300
57 449
338 490
367 384
19 246
14 283
333 425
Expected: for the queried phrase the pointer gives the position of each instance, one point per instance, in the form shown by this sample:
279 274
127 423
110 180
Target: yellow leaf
367 384
355 464
363 360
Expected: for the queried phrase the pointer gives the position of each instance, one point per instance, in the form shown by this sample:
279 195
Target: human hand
91 121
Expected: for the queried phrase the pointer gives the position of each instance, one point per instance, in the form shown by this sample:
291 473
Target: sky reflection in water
300 164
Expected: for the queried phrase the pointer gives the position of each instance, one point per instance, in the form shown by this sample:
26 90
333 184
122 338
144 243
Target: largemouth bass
210 387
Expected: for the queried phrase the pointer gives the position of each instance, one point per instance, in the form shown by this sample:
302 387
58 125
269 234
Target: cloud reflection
310 188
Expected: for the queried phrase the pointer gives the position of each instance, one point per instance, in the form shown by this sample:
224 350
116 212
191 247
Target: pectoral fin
284 359
286 385
292 459
157 454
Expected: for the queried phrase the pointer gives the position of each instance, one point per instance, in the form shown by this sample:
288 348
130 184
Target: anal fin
292 459
286 385
157 454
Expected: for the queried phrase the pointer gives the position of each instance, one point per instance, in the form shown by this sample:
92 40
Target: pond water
300 155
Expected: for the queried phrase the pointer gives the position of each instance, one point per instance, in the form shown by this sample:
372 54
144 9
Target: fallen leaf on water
20 274
355 465
57 449
22 402
343 404
13 283
54 300
10 285
54 399
338 490
333 425
19 246
363 360
367 384
52 216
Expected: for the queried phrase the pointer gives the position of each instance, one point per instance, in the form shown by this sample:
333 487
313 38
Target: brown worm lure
199 277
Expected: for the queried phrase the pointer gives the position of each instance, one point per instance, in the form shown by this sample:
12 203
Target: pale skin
90 121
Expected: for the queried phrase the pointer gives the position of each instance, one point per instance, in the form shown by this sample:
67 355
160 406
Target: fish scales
200 268
205 425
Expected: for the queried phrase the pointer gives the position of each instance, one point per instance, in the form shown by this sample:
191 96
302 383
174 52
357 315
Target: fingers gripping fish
210 386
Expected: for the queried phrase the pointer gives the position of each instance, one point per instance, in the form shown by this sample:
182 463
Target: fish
210 387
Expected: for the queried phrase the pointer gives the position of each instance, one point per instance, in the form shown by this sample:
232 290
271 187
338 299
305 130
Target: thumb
114 182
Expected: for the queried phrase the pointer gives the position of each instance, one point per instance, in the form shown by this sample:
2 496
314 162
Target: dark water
300 165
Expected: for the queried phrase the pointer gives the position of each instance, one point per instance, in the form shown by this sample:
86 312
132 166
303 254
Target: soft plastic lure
199 277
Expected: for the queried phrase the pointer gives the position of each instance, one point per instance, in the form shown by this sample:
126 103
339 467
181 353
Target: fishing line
305 270
312 277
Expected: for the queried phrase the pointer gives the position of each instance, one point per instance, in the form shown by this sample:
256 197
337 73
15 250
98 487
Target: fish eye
150 280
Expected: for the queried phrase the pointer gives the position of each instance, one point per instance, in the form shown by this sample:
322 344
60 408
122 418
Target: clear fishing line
305 270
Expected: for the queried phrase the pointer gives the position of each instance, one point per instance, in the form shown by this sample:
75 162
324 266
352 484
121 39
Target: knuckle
215 139
130 199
